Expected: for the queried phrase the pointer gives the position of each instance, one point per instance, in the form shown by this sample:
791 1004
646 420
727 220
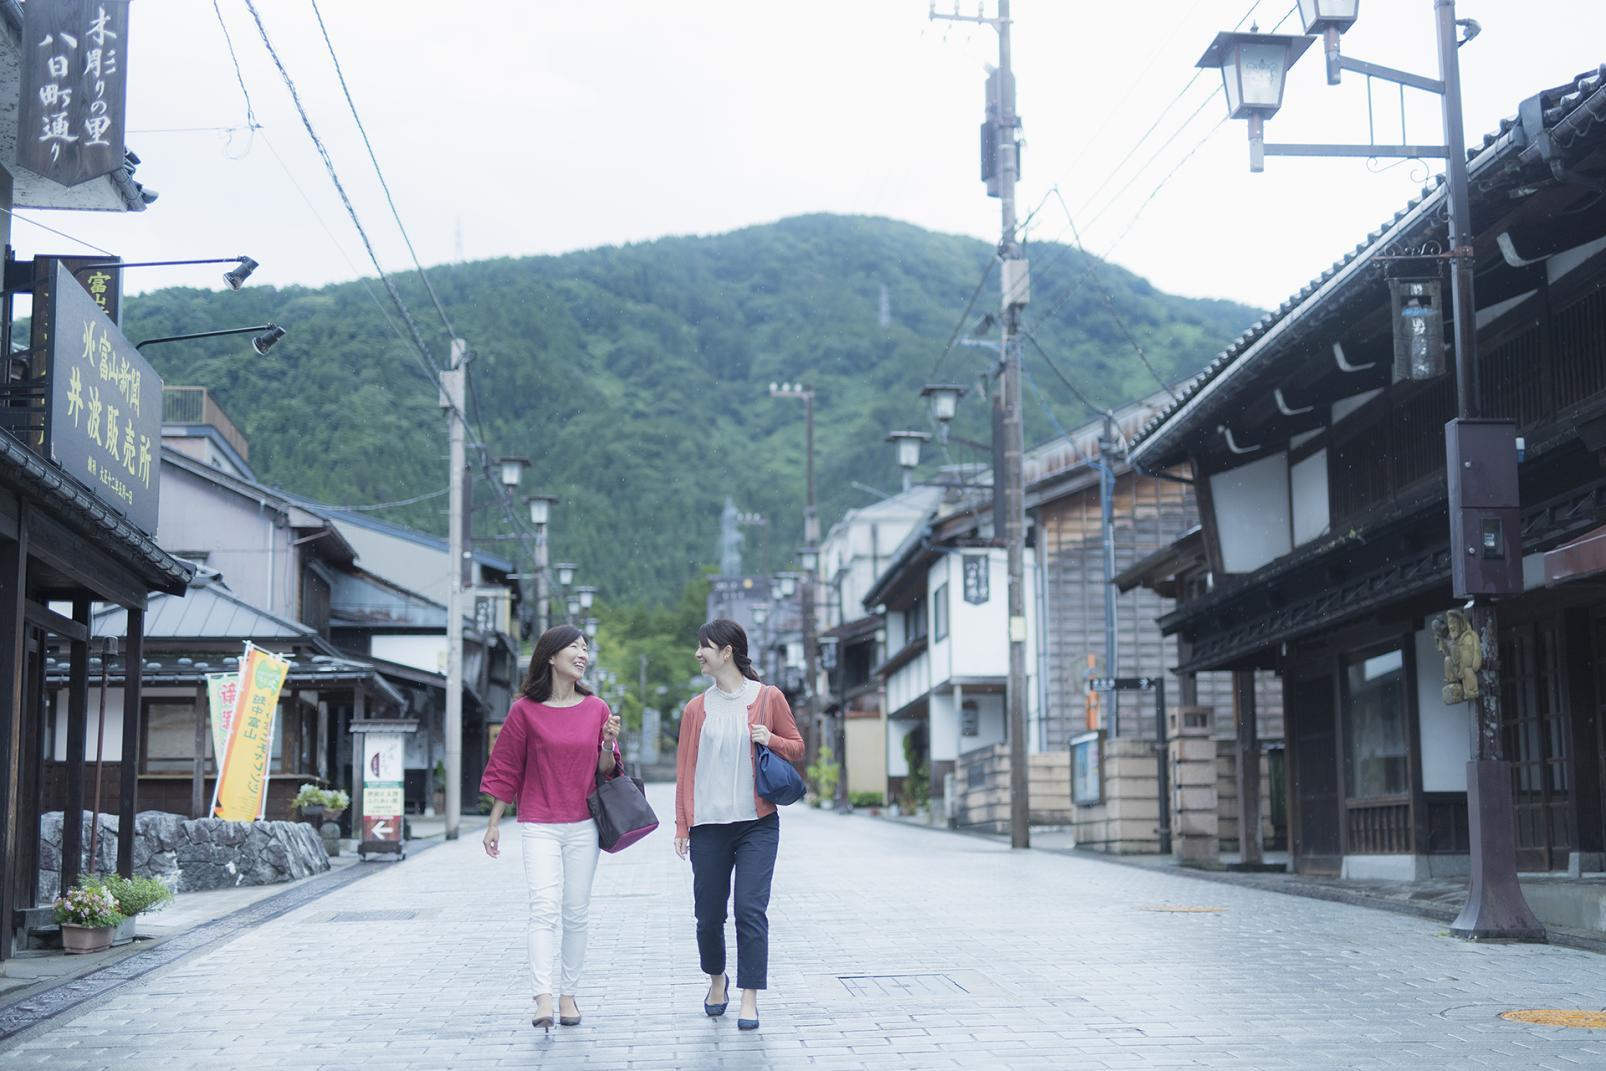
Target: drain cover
1586 1020
1175 909
901 985
372 916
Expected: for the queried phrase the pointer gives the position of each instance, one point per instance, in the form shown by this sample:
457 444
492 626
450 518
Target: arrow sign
1120 684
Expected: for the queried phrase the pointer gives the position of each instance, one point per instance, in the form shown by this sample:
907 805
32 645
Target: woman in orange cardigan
721 821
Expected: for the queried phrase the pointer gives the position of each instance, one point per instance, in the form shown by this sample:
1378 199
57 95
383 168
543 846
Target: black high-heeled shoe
714 1011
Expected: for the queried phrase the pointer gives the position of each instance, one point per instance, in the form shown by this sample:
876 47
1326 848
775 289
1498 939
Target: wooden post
320 757
72 814
133 729
198 768
358 713
13 631
1243 710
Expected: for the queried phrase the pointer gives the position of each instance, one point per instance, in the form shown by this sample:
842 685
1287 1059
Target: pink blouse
545 759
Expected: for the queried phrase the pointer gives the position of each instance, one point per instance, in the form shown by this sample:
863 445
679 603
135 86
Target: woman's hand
761 735
682 846
492 840
610 732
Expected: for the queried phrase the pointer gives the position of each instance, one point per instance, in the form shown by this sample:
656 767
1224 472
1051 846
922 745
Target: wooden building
1320 476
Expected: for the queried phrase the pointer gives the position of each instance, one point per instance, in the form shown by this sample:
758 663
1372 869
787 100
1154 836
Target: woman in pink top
557 739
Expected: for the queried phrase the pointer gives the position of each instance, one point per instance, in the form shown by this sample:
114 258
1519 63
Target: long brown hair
723 632
537 683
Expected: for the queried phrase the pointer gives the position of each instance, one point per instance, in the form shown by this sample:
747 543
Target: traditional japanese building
1319 467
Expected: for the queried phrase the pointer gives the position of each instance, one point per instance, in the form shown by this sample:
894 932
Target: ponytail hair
723 632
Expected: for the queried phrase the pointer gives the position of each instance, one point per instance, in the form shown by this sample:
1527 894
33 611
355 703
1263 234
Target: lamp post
540 507
1495 907
588 596
830 650
268 336
811 541
235 277
908 445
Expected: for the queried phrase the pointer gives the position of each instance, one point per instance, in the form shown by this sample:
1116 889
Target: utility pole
1112 667
810 563
542 603
451 400
1000 174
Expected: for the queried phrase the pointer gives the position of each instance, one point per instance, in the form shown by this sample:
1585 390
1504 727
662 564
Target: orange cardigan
769 709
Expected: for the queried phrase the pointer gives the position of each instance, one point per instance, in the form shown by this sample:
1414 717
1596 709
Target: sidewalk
1566 906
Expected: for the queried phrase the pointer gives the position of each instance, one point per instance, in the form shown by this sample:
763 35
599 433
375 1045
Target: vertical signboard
222 692
977 578
104 421
74 78
382 777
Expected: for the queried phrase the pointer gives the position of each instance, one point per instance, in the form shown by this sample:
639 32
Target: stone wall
190 854
981 789
1126 821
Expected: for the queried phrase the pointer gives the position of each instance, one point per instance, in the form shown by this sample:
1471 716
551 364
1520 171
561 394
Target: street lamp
908 446
513 470
574 607
1254 68
268 336
761 613
787 583
809 558
540 514
944 401
1329 19
565 572
235 276
1495 906
588 595
591 628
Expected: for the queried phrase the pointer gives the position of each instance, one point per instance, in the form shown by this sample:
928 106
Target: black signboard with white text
104 422
74 79
976 573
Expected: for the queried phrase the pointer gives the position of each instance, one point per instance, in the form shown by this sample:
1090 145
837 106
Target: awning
1584 557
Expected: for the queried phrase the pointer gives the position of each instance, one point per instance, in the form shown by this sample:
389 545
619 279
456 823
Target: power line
964 317
334 176
1109 304
1072 387
250 113
372 156
390 505
52 230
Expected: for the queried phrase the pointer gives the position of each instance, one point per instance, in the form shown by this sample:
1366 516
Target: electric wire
1061 376
52 230
334 176
378 171
250 113
390 505
964 317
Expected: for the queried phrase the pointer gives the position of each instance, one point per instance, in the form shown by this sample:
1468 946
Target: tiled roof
207 611
1567 112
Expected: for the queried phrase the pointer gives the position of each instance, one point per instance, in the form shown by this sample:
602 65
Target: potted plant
134 896
826 772
88 915
309 804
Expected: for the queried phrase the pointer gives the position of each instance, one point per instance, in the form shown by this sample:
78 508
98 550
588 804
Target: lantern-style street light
591 628
809 558
1496 907
1328 19
908 446
1254 68
588 596
761 613
512 470
541 508
944 401
565 572
574 607
787 583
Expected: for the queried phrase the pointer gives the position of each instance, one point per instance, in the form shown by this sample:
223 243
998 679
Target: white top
724 780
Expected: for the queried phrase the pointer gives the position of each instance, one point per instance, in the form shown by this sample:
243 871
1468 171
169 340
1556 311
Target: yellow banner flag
242 782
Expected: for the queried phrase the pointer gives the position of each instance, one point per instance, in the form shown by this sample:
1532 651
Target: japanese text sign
105 417
70 122
242 779
222 692
382 786
977 577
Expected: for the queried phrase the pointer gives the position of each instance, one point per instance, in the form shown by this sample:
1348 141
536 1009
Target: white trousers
560 859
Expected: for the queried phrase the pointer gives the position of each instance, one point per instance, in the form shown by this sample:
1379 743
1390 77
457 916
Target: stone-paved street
892 948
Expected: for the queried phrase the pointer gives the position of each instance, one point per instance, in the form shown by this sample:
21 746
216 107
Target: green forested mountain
637 377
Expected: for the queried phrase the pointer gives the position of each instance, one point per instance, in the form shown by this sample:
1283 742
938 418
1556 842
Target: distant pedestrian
557 739
721 820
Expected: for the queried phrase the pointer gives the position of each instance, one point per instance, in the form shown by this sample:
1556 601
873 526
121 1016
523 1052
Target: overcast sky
516 127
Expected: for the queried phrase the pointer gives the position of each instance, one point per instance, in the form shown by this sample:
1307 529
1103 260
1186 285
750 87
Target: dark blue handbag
774 779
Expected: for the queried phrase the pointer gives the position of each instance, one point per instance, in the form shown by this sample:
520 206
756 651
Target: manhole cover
1174 909
372 916
1585 1020
901 985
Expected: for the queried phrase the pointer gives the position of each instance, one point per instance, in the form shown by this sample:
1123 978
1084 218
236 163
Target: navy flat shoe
747 1024
714 1011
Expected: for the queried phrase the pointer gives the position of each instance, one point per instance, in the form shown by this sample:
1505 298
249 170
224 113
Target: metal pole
1495 907
1162 771
1112 659
811 538
543 609
452 402
107 646
1014 447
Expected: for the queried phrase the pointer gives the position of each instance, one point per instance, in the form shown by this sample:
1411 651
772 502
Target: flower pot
312 814
77 940
123 932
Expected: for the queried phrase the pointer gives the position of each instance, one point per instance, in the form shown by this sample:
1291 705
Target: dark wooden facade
1341 614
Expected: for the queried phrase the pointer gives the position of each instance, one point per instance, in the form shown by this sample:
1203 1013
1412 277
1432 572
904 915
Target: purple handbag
621 810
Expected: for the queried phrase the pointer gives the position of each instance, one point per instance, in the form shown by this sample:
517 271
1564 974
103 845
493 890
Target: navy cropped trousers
747 851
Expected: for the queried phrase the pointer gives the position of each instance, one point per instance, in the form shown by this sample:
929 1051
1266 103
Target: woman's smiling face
573 659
